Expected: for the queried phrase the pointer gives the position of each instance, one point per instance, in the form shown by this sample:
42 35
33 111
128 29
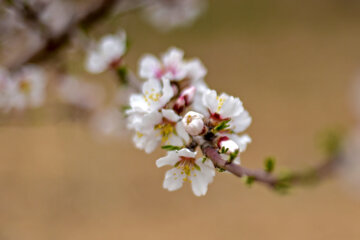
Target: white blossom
156 127
155 95
108 53
166 15
225 107
27 88
193 123
186 168
172 65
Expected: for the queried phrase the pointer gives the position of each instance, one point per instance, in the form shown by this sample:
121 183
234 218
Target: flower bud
189 94
226 143
179 105
185 99
193 123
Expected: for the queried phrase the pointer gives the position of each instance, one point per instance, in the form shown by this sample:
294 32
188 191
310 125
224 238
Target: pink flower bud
188 94
179 105
185 99
193 123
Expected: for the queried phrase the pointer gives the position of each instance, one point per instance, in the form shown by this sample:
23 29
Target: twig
299 178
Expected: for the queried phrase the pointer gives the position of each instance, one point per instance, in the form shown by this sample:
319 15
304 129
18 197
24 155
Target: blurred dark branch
281 183
53 43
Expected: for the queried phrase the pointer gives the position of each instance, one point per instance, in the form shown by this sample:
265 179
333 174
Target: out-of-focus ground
290 62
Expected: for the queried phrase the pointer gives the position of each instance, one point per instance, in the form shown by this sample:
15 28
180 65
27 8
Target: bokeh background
292 64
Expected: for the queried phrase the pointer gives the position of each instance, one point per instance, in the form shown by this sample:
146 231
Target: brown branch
299 178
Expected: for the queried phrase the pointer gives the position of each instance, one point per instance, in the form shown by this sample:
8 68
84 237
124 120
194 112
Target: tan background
291 62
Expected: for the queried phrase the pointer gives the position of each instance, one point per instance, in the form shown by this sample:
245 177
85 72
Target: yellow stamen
220 103
166 130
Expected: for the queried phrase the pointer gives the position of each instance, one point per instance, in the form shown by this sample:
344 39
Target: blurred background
292 63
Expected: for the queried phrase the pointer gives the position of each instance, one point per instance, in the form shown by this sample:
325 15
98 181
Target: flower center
220 103
152 96
165 130
25 87
186 165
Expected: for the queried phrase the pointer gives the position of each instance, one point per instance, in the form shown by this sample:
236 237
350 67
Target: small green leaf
204 159
221 126
124 108
220 169
331 141
224 150
269 164
233 155
170 148
249 180
283 184
122 74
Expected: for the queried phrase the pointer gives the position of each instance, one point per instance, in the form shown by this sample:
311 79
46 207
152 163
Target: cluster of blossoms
22 89
177 110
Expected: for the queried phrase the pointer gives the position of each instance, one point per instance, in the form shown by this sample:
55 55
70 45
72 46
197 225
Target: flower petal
241 122
149 65
171 159
170 115
201 179
210 100
181 132
167 92
173 180
95 63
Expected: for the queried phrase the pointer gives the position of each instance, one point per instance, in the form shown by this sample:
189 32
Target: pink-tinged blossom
107 53
225 107
172 66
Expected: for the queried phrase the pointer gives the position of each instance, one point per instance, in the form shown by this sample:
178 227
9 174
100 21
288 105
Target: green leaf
122 74
233 155
283 184
171 147
249 180
269 164
221 126
224 150
331 141
204 159
124 108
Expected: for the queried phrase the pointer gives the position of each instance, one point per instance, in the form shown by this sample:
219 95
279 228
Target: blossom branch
313 175
237 170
